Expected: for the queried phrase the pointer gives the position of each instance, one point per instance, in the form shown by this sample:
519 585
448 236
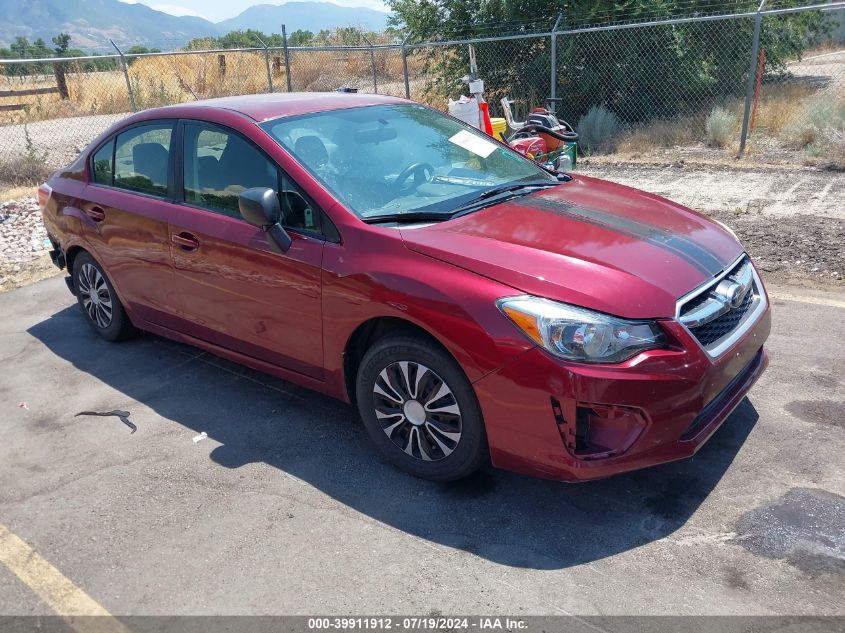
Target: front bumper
660 406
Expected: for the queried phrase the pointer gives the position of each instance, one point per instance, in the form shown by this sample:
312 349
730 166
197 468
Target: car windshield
399 159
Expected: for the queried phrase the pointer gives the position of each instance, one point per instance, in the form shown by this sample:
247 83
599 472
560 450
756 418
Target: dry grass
791 115
660 134
16 192
781 104
828 151
27 170
90 93
172 79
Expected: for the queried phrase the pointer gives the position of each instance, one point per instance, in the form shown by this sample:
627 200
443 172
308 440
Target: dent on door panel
237 293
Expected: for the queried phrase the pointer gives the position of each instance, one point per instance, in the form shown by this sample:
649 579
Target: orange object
485 113
760 65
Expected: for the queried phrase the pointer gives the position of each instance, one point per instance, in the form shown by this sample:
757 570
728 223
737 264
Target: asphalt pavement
285 508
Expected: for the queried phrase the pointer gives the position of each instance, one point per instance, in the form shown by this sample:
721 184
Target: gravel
23 241
799 248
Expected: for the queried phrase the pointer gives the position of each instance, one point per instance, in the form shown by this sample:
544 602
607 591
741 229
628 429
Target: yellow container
500 126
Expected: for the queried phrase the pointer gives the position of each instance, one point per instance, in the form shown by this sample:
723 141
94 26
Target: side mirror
260 207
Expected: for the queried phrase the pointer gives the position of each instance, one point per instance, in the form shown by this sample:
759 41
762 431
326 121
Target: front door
234 290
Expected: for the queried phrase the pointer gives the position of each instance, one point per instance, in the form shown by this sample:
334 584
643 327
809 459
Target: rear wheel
420 410
100 305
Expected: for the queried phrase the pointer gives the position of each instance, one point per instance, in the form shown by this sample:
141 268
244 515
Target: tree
20 47
140 50
39 48
62 42
640 73
300 38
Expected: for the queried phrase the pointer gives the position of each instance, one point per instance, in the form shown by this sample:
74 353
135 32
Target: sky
217 10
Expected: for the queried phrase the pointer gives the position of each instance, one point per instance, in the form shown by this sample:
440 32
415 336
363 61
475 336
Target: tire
105 314
420 410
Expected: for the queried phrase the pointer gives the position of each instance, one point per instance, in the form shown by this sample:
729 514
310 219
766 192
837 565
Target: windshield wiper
478 202
409 216
513 187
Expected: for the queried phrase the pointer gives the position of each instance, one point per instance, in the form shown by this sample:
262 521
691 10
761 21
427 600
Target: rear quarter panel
63 217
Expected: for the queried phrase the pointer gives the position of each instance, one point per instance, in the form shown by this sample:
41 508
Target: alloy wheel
95 295
417 410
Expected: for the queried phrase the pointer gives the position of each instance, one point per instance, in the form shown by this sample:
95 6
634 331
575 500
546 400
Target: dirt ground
792 221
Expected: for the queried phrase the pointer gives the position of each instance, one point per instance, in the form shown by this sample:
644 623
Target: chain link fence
771 82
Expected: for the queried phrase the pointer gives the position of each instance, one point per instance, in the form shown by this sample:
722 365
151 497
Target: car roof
262 107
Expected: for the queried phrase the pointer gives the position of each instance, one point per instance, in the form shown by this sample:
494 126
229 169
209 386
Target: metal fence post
405 67
553 88
126 76
287 58
749 89
267 64
372 62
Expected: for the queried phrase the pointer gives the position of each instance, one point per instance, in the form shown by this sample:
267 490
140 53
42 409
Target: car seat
150 161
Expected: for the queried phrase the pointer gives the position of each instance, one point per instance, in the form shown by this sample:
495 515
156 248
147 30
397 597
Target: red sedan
471 303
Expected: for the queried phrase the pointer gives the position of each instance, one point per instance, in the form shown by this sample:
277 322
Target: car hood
588 242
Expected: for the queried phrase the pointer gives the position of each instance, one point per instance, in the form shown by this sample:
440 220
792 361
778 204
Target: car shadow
506 518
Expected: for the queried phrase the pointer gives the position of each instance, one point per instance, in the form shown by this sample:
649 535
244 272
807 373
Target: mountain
91 23
309 16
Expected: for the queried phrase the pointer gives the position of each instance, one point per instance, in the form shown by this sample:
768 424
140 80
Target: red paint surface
293 315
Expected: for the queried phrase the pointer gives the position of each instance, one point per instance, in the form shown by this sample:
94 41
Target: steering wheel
422 174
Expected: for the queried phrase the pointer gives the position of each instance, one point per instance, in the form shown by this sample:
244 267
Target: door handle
185 241
96 214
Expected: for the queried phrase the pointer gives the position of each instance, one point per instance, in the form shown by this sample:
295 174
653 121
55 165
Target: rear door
234 290
127 206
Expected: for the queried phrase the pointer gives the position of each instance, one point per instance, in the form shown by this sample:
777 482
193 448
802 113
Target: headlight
579 334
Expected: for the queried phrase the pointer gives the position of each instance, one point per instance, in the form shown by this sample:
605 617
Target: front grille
707 314
720 327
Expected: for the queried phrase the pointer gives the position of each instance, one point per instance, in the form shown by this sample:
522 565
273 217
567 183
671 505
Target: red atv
542 136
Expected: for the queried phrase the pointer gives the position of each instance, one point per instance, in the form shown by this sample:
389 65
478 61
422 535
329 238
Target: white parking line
819 197
781 198
786 296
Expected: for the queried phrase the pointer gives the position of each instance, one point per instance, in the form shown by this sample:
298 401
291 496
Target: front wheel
420 410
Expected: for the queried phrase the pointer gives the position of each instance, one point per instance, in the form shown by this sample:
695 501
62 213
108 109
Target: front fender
455 306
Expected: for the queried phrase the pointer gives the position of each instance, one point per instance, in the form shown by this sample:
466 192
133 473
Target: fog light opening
598 431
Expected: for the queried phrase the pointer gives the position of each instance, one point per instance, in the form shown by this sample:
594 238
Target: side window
220 165
141 157
103 168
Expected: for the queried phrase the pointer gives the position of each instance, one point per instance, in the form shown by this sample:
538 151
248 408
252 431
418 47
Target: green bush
828 151
598 130
823 115
720 127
